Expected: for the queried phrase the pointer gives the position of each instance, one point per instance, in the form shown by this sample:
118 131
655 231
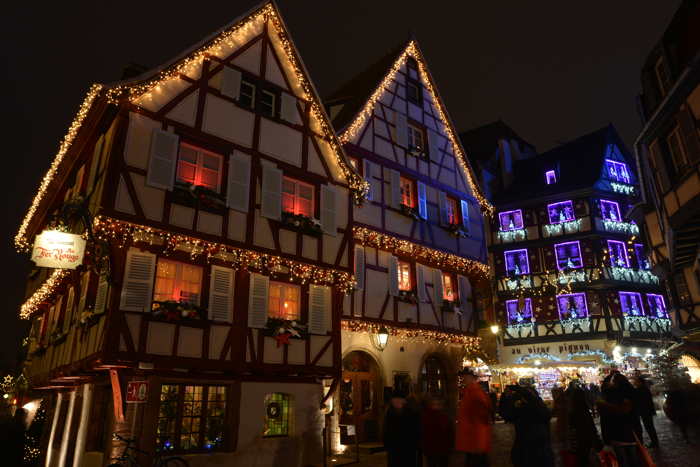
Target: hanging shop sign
60 250
136 392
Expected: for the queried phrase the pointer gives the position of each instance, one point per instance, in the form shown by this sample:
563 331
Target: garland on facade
382 241
425 336
43 293
604 357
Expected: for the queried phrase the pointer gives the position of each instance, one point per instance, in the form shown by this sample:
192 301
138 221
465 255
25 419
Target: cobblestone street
674 452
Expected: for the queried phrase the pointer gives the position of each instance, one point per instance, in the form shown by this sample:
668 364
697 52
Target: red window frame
295 201
454 216
409 192
196 169
405 274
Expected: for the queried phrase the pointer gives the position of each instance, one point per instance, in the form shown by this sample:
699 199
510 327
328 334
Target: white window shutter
422 202
257 300
271 203
70 302
163 160
231 82
395 178
401 130
435 148
465 215
393 276
288 108
360 266
328 222
84 286
319 309
238 190
465 297
137 288
101 295
368 170
443 208
420 276
437 287
221 294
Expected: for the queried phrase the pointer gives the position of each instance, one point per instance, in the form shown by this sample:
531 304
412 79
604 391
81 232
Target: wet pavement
674 451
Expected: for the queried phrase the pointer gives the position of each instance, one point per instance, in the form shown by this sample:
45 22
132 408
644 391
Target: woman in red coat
473 431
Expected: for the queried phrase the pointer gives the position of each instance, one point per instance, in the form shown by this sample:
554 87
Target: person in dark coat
581 432
646 410
617 418
436 430
401 433
524 408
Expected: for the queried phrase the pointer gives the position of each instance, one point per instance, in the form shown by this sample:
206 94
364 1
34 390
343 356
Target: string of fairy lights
402 247
367 111
43 293
415 335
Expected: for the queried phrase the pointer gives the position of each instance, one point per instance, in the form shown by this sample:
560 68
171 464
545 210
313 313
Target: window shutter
395 188
660 166
319 309
443 208
328 223
465 214
231 82
393 276
84 286
368 170
437 286
422 202
70 301
257 300
686 121
465 297
434 149
420 278
163 160
238 192
401 130
221 294
288 109
101 295
137 287
360 266
271 203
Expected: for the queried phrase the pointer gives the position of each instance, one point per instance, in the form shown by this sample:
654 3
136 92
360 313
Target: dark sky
550 69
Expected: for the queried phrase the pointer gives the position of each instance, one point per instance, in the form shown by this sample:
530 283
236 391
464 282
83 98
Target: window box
197 196
450 306
170 310
457 231
302 223
89 318
410 211
570 324
279 327
408 296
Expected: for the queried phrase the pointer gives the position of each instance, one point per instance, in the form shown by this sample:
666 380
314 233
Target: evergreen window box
408 296
196 196
410 212
457 231
417 152
302 223
173 311
278 327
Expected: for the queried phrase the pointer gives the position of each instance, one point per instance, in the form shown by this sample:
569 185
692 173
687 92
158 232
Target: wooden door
358 402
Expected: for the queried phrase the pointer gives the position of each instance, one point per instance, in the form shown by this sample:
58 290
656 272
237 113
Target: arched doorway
360 390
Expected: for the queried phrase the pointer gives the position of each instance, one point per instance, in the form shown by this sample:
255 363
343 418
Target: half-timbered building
418 247
573 281
205 319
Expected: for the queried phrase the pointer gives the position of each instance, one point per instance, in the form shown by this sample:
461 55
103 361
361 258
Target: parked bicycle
130 452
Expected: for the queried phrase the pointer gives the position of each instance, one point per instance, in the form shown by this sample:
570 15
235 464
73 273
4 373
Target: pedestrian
493 396
581 433
401 433
473 433
436 432
617 415
646 410
593 394
677 408
524 408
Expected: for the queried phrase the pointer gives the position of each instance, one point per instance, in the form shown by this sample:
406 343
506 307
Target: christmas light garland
438 258
43 293
426 336
367 111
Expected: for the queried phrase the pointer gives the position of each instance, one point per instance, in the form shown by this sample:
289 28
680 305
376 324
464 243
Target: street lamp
495 328
381 338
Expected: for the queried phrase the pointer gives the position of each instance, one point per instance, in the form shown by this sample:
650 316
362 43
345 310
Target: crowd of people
412 435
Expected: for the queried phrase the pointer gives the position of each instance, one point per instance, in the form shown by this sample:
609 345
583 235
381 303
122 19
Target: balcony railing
568 227
508 236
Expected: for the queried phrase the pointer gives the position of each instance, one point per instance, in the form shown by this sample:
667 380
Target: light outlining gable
353 129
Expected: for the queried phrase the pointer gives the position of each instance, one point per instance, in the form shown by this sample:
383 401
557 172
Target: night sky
552 70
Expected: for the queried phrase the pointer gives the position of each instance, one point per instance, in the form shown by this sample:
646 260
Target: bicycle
128 456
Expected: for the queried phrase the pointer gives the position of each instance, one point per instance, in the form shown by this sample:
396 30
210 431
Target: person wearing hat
473 429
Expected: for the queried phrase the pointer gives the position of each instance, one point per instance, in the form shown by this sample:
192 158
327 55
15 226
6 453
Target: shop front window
561 212
618 254
178 282
572 306
568 255
631 304
517 262
511 220
519 311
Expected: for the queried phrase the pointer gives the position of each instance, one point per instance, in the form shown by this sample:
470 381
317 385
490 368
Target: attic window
551 177
617 171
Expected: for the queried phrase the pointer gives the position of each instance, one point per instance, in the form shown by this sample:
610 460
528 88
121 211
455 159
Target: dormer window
618 254
511 220
657 306
550 177
610 210
519 311
517 262
568 255
617 171
561 212
631 304
572 306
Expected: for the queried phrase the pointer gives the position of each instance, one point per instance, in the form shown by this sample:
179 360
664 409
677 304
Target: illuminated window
572 305
642 260
511 220
449 287
404 272
657 306
618 254
277 415
297 197
199 167
408 192
631 304
676 148
178 282
433 377
191 417
519 311
610 210
550 177
246 96
416 137
266 105
561 212
617 171
517 262
568 255
284 301
452 208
